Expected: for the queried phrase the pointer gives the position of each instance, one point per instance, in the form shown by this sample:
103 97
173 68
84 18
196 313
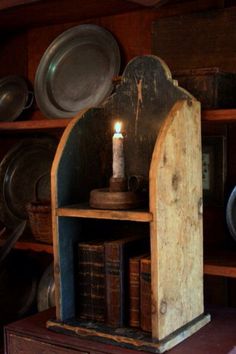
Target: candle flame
118 127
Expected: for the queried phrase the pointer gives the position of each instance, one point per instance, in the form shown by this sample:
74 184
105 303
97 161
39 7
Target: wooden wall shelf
211 267
34 125
32 246
228 271
221 263
219 115
216 115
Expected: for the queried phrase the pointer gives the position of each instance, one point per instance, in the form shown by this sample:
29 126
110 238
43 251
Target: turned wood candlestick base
118 184
116 197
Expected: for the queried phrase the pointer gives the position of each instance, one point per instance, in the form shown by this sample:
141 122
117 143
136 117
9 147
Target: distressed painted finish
77 168
162 143
142 101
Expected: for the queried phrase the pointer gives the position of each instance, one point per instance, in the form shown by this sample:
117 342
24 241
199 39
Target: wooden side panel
79 166
176 230
59 240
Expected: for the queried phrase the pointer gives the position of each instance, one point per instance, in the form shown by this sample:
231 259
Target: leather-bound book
134 290
91 281
145 294
117 254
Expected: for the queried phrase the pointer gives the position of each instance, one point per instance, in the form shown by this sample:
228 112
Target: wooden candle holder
117 197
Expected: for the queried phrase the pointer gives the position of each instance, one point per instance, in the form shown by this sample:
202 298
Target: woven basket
40 217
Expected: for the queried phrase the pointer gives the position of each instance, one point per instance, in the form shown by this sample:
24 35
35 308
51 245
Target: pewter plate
46 290
13 97
76 71
20 169
231 213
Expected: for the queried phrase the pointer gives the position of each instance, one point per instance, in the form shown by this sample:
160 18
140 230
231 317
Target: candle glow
118 127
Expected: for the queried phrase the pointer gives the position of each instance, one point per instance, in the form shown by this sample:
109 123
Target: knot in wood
175 181
163 307
190 102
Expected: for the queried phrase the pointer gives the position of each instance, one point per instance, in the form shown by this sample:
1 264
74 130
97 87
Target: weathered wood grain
128 338
142 101
176 229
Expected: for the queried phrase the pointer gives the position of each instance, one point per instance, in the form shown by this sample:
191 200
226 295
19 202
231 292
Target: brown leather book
91 281
145 294
117 254
134 290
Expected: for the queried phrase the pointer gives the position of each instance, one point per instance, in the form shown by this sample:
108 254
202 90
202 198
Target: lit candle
118 164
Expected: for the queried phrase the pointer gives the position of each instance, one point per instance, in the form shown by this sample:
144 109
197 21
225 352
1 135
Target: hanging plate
231 213
19 171
46 290
76 71
13 97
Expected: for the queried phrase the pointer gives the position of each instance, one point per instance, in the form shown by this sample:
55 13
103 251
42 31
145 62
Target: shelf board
221 263
34 246
220 115
33 125
84 211
31 246
220 270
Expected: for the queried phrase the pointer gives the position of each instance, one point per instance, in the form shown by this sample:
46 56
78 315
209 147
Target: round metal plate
46 290
13 97
19 171
76 71
231 213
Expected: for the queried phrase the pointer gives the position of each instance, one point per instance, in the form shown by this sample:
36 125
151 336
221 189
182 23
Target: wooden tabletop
217 337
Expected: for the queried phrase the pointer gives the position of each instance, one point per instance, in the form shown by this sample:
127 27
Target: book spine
145 295
117 255
134 292
91 299
114 284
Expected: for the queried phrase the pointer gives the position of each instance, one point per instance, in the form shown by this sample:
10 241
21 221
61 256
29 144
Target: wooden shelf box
162 144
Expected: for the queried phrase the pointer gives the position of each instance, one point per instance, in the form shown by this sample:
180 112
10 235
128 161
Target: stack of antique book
114 282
